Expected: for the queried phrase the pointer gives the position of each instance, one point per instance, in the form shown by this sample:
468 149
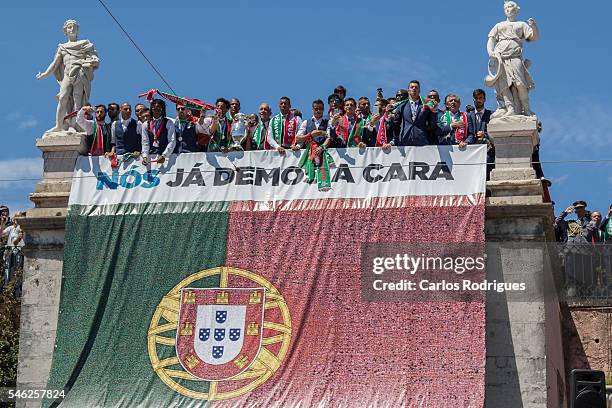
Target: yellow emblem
187 329
253 329
161 339
222 298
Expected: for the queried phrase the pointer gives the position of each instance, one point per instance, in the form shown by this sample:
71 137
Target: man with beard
478 120
112 110
98 132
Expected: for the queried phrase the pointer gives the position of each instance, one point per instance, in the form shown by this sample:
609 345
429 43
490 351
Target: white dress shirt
82 121
171 138
270 136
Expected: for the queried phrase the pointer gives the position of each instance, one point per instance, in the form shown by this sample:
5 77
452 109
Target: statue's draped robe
85 53
509 37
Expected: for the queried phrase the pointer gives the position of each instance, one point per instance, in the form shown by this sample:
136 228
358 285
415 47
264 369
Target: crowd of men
11 243
407 119
588 227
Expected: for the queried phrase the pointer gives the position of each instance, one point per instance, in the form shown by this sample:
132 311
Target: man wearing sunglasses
187 128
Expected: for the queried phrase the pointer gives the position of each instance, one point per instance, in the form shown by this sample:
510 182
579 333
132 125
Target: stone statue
511 80
73 66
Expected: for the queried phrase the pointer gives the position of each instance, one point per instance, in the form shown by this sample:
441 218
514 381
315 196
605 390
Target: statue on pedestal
73 66
508 72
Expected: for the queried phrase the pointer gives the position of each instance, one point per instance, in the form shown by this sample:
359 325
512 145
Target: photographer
12 239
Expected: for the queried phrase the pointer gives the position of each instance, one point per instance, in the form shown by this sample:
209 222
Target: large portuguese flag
232 281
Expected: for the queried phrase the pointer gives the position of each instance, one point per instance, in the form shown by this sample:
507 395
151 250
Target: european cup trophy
238 131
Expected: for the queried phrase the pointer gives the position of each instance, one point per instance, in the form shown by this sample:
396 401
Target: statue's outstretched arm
52 67
535 32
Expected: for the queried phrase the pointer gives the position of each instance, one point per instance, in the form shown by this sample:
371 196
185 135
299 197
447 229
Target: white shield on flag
219 333
220 330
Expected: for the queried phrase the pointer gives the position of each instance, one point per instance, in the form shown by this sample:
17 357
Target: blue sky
261 51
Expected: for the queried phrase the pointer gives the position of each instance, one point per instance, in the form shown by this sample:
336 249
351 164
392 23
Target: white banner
266 176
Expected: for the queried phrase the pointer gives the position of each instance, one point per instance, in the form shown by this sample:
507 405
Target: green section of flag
116 271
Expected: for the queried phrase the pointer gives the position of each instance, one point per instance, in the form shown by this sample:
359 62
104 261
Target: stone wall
524 354
588 338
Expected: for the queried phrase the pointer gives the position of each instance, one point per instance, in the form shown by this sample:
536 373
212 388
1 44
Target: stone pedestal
513 180
524 366
42 274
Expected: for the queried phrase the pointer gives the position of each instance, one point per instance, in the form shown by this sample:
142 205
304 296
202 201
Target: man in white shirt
158 137
314 128
98 132
283 127
126 132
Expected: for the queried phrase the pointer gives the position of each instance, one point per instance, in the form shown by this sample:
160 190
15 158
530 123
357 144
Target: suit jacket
472 123
407 132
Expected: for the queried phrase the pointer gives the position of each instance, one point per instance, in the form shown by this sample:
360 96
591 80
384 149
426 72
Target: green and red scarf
284 129
256 134
316 166
460 133
381 135
100 143
116 161
352 138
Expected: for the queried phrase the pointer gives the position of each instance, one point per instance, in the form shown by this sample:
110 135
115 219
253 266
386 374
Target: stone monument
511 77
73 66
514 128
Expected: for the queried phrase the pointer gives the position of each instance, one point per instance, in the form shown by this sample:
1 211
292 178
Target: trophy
238 131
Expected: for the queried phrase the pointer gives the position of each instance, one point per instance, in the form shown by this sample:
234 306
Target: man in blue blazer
411 121
478 120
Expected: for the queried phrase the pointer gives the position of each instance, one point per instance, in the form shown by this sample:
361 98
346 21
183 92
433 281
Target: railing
11 268
586 273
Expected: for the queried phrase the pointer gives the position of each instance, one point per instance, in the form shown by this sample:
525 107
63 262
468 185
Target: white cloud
582 132
27 123
19 171
559 181
23 121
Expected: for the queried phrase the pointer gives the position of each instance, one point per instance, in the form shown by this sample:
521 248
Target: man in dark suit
478 119
412 120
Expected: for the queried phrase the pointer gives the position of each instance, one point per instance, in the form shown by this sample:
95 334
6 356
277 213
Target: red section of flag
345 352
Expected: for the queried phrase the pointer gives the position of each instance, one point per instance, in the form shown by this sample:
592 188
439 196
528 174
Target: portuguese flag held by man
240 302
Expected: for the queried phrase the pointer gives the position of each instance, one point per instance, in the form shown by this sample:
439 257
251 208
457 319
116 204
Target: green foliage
9 333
